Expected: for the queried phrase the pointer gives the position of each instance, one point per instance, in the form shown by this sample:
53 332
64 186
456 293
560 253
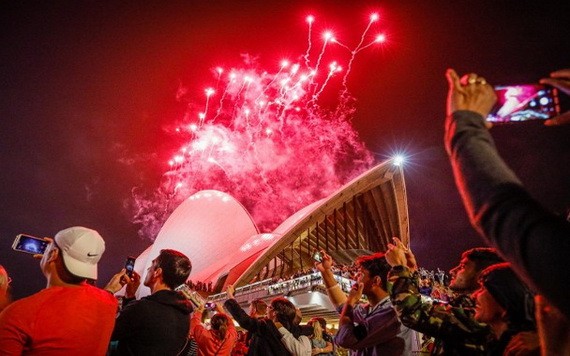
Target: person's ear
53 254
377 281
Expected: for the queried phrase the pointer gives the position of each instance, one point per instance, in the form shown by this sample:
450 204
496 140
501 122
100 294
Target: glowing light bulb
328 35
209 91
220 70
398 160
193 127
284 63
202 116
310 19
178 159
268 131
374 17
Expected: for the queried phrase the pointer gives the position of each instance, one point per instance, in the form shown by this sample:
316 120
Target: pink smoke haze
264 138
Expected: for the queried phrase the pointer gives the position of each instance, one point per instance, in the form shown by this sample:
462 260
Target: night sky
89 88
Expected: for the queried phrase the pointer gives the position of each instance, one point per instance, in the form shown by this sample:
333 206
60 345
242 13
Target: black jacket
265 339
154 325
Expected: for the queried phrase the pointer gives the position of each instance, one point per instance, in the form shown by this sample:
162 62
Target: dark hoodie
265 340
154 325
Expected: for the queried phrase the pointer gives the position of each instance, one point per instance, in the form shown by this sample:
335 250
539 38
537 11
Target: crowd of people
506 299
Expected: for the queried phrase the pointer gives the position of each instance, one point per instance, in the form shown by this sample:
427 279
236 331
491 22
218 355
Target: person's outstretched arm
335 293
533 239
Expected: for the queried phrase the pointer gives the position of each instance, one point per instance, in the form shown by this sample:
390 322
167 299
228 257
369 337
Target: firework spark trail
270 144
209 93
327 36
310 20
333 68
373 18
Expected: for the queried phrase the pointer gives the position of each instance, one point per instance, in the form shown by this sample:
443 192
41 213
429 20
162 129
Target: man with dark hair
372 328
266 338
454 327
70 316
157 324
465 276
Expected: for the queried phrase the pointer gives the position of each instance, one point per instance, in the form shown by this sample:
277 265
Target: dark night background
86 86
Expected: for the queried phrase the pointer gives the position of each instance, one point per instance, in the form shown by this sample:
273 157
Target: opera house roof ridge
225 246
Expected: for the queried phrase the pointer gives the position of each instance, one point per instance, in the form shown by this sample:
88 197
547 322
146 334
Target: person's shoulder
29 304
101 294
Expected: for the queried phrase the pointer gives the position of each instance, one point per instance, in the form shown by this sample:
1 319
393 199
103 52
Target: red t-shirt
59 321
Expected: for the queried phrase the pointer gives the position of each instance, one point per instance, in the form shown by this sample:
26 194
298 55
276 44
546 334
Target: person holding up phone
70 316
159 323
533 239
559 79
217 340
499 207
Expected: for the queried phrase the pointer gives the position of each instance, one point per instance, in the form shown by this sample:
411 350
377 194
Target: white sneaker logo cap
81 249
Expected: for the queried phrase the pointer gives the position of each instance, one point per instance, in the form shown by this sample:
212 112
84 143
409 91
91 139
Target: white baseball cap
81 249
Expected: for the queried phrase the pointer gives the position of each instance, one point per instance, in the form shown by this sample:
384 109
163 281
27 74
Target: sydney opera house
226 247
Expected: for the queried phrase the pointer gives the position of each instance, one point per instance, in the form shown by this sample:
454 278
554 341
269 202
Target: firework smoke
264 139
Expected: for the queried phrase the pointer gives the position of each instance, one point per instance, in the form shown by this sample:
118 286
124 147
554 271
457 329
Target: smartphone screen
317 256
130 266
518 103
30 244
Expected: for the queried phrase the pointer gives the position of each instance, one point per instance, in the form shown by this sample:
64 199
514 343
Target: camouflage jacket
453 327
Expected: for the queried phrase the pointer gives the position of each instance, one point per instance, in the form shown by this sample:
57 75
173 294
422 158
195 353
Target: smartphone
516 103
210 305
130 266
317 256
30 244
